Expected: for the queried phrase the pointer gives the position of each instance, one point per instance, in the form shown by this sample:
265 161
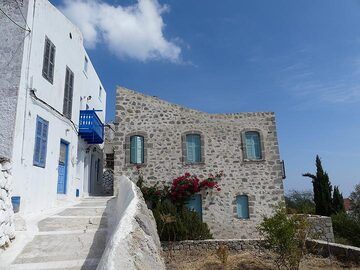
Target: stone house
52 111
167 140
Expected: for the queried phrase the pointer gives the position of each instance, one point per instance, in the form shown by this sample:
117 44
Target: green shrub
346 228
285 235
177 224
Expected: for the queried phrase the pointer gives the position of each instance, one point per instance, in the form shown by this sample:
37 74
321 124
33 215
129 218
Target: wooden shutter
193 148
195 204
253 145
49 60
242 203
41 137
136 149
68 93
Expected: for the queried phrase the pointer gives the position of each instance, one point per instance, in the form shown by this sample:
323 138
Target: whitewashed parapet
133 242
7 226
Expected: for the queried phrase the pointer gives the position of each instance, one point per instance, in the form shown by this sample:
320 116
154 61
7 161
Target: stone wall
133 241
340 252
7 226
11 55
212 244
321 228
163 125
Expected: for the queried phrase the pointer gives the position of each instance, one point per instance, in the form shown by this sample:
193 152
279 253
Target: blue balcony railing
91 129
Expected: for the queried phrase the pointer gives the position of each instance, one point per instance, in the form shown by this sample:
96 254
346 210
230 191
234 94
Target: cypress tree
337 201
322 190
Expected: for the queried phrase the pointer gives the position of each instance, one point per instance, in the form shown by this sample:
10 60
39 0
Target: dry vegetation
245 260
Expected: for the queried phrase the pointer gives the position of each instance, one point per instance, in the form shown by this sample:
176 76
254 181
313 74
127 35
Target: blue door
194 204
62 168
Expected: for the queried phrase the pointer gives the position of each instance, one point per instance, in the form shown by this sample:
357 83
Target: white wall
38 186
133 241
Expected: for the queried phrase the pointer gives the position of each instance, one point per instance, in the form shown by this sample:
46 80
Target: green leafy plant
347 228
176 224
300 202
285 235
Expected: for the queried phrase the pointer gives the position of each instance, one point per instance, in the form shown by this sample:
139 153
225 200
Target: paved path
72 239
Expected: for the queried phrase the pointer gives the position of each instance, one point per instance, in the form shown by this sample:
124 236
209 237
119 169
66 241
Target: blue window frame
41 137
242 204
193 148
195 204
136 149
253 145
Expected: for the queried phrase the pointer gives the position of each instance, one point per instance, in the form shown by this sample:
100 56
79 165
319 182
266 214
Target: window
242 204
252 145
86 64
49 60
41 135
100 92
68 93
194 204
193 148
136 149
110 161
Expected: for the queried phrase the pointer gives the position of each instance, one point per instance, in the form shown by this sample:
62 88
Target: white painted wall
38 186
133 242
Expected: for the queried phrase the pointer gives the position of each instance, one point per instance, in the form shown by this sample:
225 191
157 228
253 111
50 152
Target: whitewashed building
52 108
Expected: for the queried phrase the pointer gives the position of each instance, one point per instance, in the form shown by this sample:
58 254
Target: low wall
340 252
7 226
317 247
212 244
133 240
321 228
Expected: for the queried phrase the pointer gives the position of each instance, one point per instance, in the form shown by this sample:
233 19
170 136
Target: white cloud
134 31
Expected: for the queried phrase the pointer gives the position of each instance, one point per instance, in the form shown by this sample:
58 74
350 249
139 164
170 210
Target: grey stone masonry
321 228
11 55
163 126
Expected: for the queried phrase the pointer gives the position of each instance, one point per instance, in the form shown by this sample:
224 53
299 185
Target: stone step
63 247
87 264
70 224
74 211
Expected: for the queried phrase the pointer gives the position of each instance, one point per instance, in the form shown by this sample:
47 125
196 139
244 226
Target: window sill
242 219
253 160
136 165
193 164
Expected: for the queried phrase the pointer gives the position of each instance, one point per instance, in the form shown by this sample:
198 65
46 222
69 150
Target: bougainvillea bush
168 203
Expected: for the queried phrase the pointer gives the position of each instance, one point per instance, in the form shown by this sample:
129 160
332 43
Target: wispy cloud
134 31
311 84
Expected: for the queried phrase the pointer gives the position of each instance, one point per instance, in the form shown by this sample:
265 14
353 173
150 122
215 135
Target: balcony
91 129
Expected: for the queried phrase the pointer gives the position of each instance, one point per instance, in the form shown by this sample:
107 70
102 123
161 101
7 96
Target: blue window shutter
194 204
41 137
136 149
242 203
253 145
193 148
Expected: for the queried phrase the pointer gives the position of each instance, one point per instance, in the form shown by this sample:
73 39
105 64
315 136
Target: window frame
40 161
142 150
185 148
48 64
261 145
247 206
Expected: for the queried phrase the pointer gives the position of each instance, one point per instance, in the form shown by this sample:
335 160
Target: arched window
136 149
193 148
252 145
242 205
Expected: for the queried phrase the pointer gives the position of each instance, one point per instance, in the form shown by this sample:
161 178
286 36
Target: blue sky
300 59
